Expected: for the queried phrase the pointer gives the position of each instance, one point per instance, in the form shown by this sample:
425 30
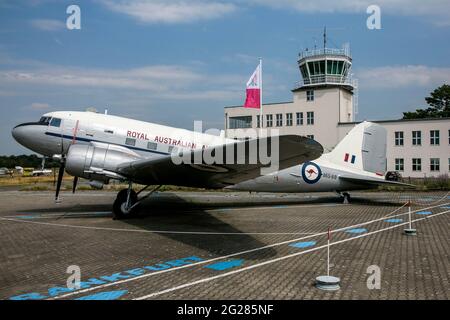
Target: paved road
216 245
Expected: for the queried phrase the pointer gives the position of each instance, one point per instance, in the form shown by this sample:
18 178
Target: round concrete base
328 283
410 232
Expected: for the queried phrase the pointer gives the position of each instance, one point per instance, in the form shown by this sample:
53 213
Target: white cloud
155 78
39 106
161 82
437 10
48 24
170 11
402 76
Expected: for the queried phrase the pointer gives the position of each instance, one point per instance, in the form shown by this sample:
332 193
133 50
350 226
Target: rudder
363 148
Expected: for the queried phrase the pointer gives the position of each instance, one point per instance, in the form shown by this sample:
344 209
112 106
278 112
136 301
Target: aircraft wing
373 181
292 150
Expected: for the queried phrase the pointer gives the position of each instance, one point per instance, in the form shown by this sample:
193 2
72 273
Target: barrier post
328 282
410 231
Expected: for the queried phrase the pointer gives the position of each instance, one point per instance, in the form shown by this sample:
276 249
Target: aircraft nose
19 133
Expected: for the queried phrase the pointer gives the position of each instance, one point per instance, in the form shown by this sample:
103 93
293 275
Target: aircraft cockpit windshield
54 122
44 120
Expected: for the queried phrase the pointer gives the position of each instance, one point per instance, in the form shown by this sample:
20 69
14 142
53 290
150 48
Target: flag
253 99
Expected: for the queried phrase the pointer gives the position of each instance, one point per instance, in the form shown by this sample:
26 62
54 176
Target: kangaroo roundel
311 172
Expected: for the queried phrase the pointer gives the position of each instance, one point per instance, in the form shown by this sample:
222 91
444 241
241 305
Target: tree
26 161
439 102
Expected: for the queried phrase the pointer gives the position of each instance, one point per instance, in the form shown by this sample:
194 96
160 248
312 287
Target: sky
173 62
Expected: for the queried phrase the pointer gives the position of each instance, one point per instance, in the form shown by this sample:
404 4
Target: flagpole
260 99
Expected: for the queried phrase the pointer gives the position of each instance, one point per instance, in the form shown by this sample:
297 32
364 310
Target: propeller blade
59 181
75 182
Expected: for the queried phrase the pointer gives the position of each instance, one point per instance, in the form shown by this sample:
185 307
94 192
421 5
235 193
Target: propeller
63 164
75 131
62 167
75 182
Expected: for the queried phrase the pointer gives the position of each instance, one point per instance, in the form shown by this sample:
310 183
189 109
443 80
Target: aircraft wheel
120 210
346 197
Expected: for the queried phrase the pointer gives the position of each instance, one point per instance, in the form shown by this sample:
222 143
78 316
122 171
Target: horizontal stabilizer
375 181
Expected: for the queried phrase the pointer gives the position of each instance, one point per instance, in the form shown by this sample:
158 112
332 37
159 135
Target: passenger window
130 141
55 122
152 146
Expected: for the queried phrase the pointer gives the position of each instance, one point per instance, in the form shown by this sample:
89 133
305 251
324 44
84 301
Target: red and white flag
253 99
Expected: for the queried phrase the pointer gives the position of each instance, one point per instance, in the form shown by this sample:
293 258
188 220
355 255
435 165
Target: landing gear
127 201
124 205
346 196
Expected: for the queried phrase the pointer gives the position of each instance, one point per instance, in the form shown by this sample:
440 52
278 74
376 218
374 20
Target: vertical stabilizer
363 148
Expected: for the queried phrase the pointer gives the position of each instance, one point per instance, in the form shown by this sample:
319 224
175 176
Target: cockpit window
44 120
55 122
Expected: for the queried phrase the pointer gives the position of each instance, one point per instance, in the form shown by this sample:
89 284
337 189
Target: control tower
326 66
328 69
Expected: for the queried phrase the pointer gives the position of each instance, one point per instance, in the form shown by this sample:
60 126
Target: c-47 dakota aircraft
102 147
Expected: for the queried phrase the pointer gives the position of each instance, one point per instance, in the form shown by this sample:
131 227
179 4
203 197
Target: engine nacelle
97 161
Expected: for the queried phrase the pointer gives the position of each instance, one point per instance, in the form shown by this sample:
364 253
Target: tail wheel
120 209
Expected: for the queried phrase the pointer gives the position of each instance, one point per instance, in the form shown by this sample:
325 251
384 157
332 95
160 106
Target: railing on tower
325 51
325 79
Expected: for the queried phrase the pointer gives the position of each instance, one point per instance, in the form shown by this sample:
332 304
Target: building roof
397 120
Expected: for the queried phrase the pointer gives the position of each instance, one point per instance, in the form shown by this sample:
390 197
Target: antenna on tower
325 30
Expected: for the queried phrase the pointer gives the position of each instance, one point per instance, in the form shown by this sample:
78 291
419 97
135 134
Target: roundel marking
311 172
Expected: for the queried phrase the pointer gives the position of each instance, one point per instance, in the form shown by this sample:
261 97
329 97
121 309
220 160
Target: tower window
258 121
309 95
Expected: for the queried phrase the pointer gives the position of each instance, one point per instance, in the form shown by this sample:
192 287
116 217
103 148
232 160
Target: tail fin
363 148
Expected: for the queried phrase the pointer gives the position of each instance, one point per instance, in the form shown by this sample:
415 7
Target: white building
323 108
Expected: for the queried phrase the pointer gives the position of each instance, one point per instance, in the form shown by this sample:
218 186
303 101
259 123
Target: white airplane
102 147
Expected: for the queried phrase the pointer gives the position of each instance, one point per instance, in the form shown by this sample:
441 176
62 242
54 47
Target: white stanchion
328 283
410 231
